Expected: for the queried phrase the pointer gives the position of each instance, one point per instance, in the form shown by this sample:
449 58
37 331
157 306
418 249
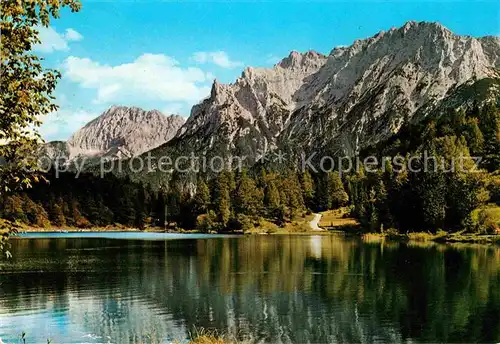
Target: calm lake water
127 288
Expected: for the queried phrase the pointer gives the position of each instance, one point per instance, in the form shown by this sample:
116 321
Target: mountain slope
353 98
365 93
120 132
248 115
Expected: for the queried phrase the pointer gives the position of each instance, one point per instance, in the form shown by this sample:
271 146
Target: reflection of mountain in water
274 289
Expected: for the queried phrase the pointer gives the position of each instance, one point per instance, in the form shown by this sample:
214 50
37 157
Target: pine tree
187 214
336 192
65 203
291 186
78 219
140 208
13 209
222 201
202 197
159 209
322 193
308 189
382 203
272 198
372 212
490 127
248 198
173 202
474 136
56 215
432 192
35 213
90 209
359 196
124 207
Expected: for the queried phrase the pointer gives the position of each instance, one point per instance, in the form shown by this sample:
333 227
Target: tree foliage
446 185
26 86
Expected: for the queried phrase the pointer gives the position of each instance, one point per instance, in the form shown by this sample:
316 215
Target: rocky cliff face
365 93
352 98
248 115
120 132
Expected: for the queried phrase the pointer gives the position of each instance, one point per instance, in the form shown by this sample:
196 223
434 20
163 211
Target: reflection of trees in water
278 288
343 292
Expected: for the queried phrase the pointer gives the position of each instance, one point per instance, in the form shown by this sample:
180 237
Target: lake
133 288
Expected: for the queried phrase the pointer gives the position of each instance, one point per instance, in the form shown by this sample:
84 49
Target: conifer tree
322 192
159 209
308 189
248 198
474 136
35 213
140 208
337 197
293 192
222 201
490 127
13 209
272 198
202 197
56 215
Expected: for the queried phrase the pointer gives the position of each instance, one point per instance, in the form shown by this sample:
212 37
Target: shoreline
442 238
303 226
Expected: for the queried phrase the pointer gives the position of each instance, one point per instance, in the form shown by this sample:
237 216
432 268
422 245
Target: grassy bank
300 224
109 228
443 237
338 220
332 221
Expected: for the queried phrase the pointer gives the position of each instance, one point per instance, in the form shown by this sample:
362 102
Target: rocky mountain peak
356 96
130 130
260 96
298 60
217 89
119 132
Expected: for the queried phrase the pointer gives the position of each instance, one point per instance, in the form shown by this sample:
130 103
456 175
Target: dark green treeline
445 188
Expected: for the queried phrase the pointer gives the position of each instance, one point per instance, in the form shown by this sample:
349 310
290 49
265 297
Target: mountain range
339 103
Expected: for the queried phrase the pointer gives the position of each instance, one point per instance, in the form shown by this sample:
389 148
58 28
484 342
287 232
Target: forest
439 198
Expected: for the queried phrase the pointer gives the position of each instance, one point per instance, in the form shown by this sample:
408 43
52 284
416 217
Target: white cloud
51 40
62 124
149 77
220 58
73 35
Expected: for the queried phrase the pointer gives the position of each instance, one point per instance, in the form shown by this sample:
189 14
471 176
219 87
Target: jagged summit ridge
128 130
119 132
255 97
354 97
298 60
374 86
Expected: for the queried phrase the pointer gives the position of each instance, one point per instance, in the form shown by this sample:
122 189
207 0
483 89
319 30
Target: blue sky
165 54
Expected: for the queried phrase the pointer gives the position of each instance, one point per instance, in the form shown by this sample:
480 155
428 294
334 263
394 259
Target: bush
82 222
488 220
240 223
207 222
494 189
